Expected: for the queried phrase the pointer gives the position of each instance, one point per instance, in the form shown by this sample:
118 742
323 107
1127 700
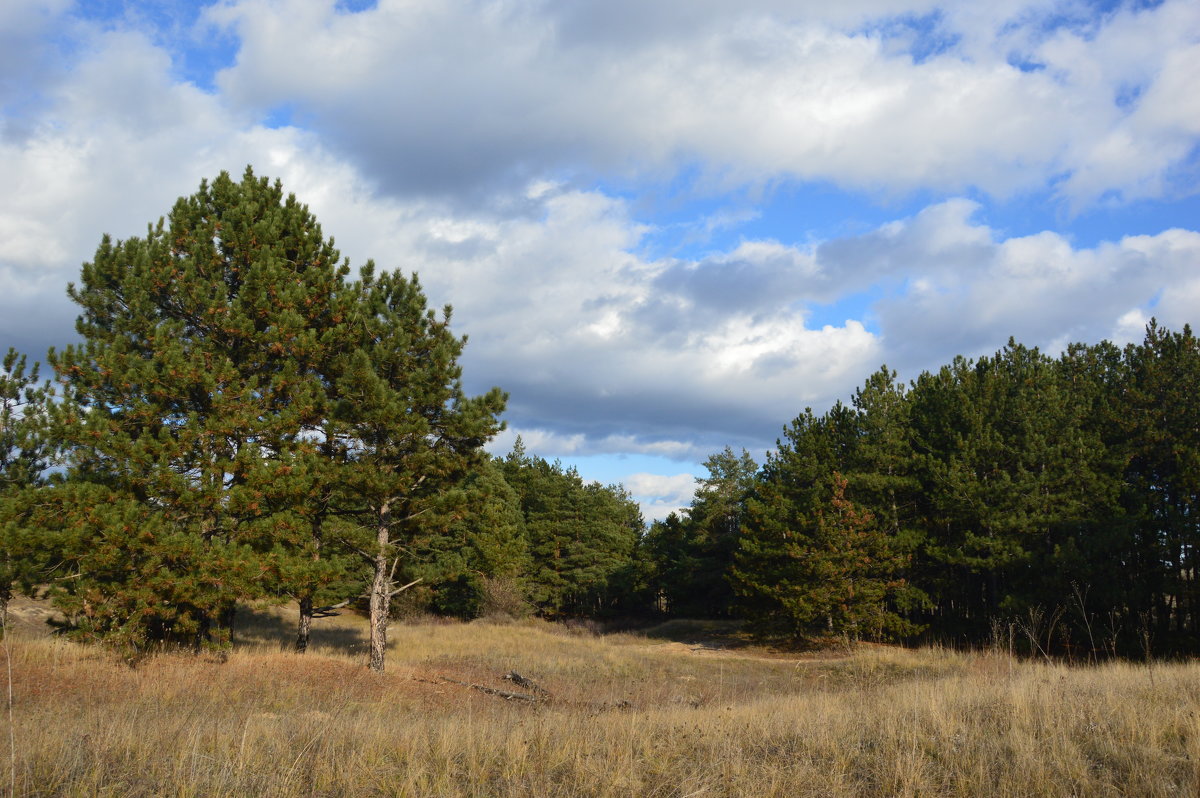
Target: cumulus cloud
605 350
1043 291
109 151
661 494
451 97
457 139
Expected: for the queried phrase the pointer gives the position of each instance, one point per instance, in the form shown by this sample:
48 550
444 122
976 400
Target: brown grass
629 716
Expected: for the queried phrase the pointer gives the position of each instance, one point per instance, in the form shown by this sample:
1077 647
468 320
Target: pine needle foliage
238 411
25 455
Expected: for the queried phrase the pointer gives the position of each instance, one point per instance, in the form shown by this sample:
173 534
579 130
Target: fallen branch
528 684
505 694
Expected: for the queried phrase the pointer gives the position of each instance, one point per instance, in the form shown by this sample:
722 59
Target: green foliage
403 429
691 555
474 542
992 492
582 537
811 561
1011 469
188 402
245 420
25 454
25 449
1161 410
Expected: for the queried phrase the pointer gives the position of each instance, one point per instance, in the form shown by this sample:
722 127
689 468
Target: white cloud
108 147
1041 290
604 349
552 445
661 494
452 97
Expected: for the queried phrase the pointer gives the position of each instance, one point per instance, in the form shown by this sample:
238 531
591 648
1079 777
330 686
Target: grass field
658 714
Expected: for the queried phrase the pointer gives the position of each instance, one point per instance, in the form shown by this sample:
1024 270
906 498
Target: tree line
1054 499
245 420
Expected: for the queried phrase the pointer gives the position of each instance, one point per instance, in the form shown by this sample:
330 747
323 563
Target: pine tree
407 429
473 552
1012 471
25 454
1091 559
582 537
1162 408
794 481
718 512
671 548
693 554
185 406
831 525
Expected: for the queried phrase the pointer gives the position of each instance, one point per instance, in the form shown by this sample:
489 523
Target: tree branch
325 612
405 587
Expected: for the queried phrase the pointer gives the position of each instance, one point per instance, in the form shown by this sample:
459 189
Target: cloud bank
506 150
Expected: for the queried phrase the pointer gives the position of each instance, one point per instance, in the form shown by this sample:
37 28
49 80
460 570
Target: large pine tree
239 411
184 406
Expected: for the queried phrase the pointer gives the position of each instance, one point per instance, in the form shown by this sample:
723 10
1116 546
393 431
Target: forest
245 420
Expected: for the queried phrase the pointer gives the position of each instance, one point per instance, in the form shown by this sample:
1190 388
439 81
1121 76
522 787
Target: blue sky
667 227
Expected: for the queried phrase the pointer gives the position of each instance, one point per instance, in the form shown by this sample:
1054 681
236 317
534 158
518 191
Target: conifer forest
244 418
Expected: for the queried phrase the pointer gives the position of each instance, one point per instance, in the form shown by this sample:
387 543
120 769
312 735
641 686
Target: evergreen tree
821 554
582 537
692 555
1162 409
671 547
795 480
474 553
717 513
25 454
882 475
408 430
1090 561
193 406
1012 471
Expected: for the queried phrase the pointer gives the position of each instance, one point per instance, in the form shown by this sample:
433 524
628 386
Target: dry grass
630 716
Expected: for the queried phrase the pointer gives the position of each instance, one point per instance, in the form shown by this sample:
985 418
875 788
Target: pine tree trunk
305 627
306 602
381 591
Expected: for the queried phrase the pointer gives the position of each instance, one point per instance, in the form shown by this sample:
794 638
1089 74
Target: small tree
837 574
25 454
407 430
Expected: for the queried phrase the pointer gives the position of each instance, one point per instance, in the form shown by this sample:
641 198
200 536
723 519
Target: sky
666 226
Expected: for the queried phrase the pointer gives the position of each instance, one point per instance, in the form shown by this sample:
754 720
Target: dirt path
29 617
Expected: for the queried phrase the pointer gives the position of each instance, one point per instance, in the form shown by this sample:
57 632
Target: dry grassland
627 716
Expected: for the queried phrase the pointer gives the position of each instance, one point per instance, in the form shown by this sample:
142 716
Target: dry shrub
503 599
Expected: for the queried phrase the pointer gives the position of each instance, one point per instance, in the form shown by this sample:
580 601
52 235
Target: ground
672 711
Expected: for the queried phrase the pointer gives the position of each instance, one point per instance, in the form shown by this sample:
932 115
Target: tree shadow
268 626
703 633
